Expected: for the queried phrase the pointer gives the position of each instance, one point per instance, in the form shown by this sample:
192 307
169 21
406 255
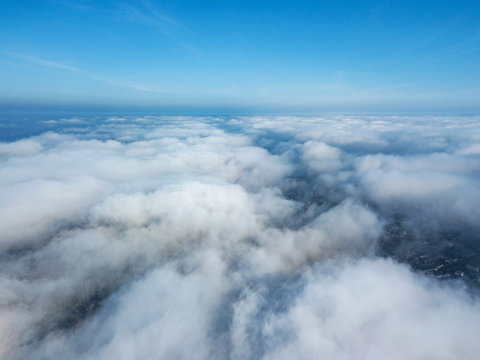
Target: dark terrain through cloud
158 237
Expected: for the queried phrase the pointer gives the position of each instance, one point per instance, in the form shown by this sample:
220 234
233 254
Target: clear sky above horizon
306 55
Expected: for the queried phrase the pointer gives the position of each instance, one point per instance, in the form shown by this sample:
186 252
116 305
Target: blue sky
302 56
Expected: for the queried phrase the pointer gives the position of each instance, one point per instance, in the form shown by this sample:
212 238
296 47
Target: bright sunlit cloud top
308 55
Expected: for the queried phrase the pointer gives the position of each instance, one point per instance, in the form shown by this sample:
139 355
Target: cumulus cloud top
241 238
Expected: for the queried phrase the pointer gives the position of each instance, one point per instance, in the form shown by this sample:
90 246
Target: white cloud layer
258 237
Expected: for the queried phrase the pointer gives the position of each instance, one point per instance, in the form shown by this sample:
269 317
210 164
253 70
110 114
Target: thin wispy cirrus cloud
96 77
145 13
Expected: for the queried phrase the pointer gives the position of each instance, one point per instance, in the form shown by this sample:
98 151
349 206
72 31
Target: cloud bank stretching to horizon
158 237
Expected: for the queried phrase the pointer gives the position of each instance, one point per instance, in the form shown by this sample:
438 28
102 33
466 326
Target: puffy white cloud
373 309
321 157
25 147
444 185
253 237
